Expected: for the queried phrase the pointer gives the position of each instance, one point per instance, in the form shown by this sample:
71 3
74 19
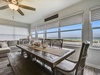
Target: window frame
52 32
79 29
94 28
43 33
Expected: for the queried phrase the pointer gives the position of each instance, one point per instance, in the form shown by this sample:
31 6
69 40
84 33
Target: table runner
55 51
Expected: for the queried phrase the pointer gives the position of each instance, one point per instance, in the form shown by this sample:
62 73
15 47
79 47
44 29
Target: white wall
85 6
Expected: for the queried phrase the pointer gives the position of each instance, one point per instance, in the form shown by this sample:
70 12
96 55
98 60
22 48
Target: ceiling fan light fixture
13 6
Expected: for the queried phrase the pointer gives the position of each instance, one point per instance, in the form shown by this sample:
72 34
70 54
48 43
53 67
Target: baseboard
92 65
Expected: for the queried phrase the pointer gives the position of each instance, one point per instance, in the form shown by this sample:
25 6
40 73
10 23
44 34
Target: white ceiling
43 8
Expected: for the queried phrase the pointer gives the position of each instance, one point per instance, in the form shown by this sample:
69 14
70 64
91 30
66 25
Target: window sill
78 46
95 48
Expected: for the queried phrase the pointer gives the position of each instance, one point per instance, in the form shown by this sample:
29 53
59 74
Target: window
20 33
41 31
33 34
41 34
71 29
6 32
96 33
52 33
52 30
12 33
71 34
95 18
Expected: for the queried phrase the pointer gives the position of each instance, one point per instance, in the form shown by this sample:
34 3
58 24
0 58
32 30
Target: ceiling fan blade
4 7
20 12
27 7
5 0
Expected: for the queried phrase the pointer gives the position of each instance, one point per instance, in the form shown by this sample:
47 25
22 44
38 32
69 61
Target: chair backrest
48 41
57 42
12 42
24 41
82 58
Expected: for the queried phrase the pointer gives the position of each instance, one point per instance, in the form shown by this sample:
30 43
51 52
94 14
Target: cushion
13 47
66 65
3 44
4 50
12 43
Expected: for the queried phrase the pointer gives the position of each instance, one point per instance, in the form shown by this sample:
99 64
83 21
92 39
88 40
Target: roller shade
75 19
41 27
21 31
6 32
33 29
54 24
12 32
95 14
6 29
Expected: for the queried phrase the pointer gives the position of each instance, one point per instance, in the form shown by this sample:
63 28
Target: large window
41 34
12 33
52 33
52 30
71 34
33 34
6 29
20 33
71 29
95 18
41 31
6 32
96 33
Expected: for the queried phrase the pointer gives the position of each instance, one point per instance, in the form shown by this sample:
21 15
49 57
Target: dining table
50 56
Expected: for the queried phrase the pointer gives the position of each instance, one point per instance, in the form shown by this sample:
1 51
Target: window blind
12 32
6 37
95 14
33 29
17 37
6 29
54 24
71 20
21 31
41 27
6 32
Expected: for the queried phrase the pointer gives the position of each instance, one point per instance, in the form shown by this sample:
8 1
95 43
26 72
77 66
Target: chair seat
65 65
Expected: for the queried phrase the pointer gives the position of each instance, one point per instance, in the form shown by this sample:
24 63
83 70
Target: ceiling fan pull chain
13 14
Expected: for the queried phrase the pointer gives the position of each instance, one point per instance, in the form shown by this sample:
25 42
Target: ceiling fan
14 5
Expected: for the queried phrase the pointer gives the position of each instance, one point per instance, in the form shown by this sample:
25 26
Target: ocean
73 38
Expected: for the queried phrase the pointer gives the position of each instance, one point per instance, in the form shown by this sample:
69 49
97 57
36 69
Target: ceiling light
13 6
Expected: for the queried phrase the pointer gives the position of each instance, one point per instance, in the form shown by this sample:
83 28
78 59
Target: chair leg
8 64
53 71
82 72
76 72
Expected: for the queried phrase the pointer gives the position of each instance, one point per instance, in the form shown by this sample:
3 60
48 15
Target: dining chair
48 41
74 68
57 43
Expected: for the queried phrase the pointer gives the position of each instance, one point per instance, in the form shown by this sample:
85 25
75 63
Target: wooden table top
51 50
48 56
